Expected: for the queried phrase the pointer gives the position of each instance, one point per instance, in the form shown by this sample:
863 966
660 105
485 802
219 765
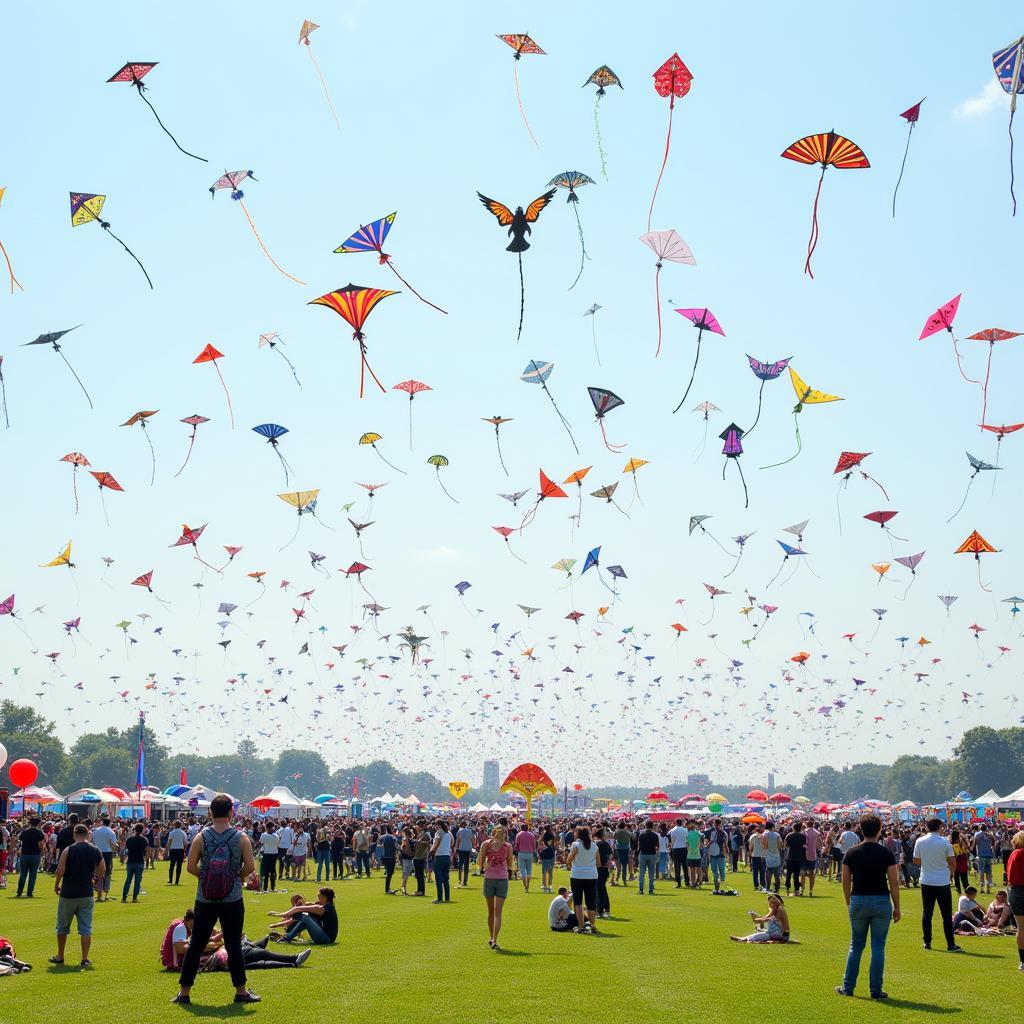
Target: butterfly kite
603 76
273 432
193 421
804 396
412 388
572 180
666 245
910 115
1009 68
308 28
673 80
7 259
86 208
521 43
765 372
52 339
537 372
703 320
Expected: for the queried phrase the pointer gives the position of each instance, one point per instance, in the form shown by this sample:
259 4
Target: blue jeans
323 864
363 861
648 865
872 913
442 872
772 872
757 872
718 869
28 868
622 863
133 871
308 923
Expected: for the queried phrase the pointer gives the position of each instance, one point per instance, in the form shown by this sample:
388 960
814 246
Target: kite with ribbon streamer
86 208
412 388
308 28
1000 432
273 432
211 355
991 335
273 339
671 80
602 77
194 421
75 459
697 523
732 450
1008 64
804 396
976 545
666 245
190 538
631 467
548 489
521 43
577 478
7 259
910 562
604 401
537 372
977 466
146 580
371 439
496 422
829 150
52 339
883 519
439 462
910 115
141 417
765 372
704 320
572 180
133 73
942 320
706 409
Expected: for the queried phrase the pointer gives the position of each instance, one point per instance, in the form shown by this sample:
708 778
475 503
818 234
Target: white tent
478 807
1012 801
91 796
286 799
988 798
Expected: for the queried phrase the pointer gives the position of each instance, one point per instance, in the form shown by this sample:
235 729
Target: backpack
716 837
218 875
167 947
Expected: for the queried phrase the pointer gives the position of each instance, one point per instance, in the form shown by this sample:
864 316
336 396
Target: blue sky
428 116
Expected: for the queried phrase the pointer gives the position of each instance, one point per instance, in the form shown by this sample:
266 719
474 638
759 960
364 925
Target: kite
765 372
308 28
414 643
357 569
847 463
673 80
76 459
141 417
105 480
146 580
548 489
273 432
797 529
359 527
304 503
910 562
537 372
666 245
741 542
211 355
438 462
86 208
713 592
788 551
258 577
631 467
7 259
273 339
505 532
604 401
593 561
193 421
133 72
3 394
804 396
577 478
370 238
514 497
592 313
518 225
991 335
829 150
707 408
496 422
521 43
942 320
881 568
976 545
529 781
697 523
883 519
64 558
573 180
703 320
607 494
977 466
1008 64
190 538
354 304
412 388
601 77
371 439
231 180
1000 432
732 450
51 339
948 600
910 115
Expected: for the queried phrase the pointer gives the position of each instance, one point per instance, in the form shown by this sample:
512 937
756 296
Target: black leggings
232 920
604 905
420 867
584 891
337 864
735 857
388 863
940 895
175 858
793 874
268 871
962 881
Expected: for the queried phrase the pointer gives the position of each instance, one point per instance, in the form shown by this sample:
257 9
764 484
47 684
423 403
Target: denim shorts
69 910
525 864
497 887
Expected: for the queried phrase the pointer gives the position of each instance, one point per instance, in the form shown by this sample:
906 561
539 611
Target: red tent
757 794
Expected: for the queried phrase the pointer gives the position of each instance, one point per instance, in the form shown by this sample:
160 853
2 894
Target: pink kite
942 320
910 115
666 245
673 80
412 388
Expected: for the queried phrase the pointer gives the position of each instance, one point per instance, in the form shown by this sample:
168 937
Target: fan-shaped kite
194 422
991 335
412 388
572 180
942 320
976 545
496 422
673 80
7 259
141 417
52 338
537 372
631 467
666 245
211 355
804 396
1000 432
704 320
732 450
910 115
529 781
371 439
829 150
1008 64
86 208
602 77
273 432
308 28
304 503
106 481
438 462
273 339
765 372
76 459
521 43
977 466
505 532
604 401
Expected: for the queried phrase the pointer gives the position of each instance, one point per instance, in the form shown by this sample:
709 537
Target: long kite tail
10 269
699 450
290 366
902 165
169 135
597 132
522 297
262 593
284 465
74 486
984 385
983 586
613 448
593 336
876 483
812 242
152 456
298 526
445 489
501 458
103 505
410 423
777 575
75 375
227 394
1012 196
364 365
657 304
266 252
130 253
664 161
513 554
413 290
839 510
959 366
324 84
583 245
743 480
964 502
519 100
385 461
188 454
693 373
760 395
735 567
799 446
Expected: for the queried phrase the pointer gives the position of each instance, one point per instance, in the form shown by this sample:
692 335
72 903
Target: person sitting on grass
999 914
319 920
214 958
560 915
968 912
776 923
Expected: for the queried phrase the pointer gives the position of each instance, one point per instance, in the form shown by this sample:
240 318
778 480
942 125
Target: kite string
812 242
902 165
760 395
956 352
437 470
668 142
188 454
309 50
565 422
74 485
799 443
106 227
593 336
597 132
152 453
227 394
699 450
876 483
10 269
266 252
519 100
980 583
75 375
984 386
1012 196
385 461
3 398
169 135
497 441
410 422
964 502
583 245
693 373
657 303
290 366
413 290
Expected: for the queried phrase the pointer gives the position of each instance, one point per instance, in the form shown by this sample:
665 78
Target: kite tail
320 74
902 165
964 502
983 586
956 352
760 395
322 523
528 516
711 619
284 464
168 134
298 525
812 242
227 395
777 575
362 586
290 366
799 447
152 455
735 567
188 454
664 161
385 461
597 132
636 491
699 450
593 334
519 100
1012 196
166 604
103 504
565 422
839 510
984 386
501 458
74 486
876 483
894 537
522 298
364 366
746 494
693 373
266 252
513 554
262 593
413 290
410 423
203 562
708 533
613 448
10 269
657 303
913 576
75 375
583 245
127 250
443 488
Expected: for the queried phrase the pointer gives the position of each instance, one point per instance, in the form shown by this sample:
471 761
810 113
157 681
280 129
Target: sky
428 116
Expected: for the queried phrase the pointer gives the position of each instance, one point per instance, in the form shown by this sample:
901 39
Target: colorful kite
412 388
190 538
537 372
765 372
548 489
631 467
991 335
194 422
804 396
1008 64
601 77
7 259
607 495
273 339
883 519
673 80
518 225
106 481
732 450
308 28
505 532
573 180
521 43
577 478
829 150
86 208
304 503
942 320
496 422
146 580
133 72
976 545
52 339
371 439
529 781
76 459
211 355
141 417
439 462
703 320
977 466
666 245
910 562
846 464
741 542
604 401
910 115
273 432
788 551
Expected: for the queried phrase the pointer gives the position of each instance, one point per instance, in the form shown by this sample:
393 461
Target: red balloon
23 772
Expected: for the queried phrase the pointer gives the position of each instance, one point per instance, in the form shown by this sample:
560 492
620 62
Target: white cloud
987 100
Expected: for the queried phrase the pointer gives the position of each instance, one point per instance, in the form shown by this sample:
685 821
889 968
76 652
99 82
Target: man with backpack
221 858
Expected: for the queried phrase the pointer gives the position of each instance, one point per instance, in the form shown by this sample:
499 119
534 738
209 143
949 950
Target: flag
355 787
183 778
140 769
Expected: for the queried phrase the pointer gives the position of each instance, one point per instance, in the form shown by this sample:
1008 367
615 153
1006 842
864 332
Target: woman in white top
582 865
441 851
268 859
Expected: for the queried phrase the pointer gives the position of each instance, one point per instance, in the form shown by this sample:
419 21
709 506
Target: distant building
492 779
698 782
771 782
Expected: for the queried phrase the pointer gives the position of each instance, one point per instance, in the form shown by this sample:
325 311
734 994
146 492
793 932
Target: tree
989 758
46 751
15 718
303 771
925 780
110 758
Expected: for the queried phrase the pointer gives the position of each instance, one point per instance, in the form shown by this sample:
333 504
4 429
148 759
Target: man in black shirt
31 840
79 871
871 889
66 836
648 845
135 848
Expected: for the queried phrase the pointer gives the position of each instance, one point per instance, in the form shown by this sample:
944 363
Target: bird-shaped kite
133 73
232 180
1008 64
741 543
105 481
765 372
64 558
412 388
354 304
942 320
521 43
804 396
548 489
273 339
976 545
52 339
602 77
732 450
518 225
7 259
76 459
194 422
371 439
537 372
977 466
308 28
439 462
273 432
666 245
86 208
910 115
788 552
141 417
673 80
704 320
991 335
190 538
211 355
604 401
713 592
829 150
370 238
572 180
496 422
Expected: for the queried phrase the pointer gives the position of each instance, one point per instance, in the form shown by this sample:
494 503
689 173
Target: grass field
403 960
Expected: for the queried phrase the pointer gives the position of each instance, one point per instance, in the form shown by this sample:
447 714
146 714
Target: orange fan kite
529 780
548 489
976 545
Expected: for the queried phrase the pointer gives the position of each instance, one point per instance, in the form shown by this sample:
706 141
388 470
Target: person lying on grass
776 923
257 957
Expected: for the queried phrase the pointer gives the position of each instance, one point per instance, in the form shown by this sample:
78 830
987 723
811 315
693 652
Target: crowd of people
228 854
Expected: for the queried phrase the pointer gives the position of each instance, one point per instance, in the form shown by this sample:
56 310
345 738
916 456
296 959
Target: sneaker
180 1000
926 945
879 995
302 957
87 963
840 991
247 997
955 949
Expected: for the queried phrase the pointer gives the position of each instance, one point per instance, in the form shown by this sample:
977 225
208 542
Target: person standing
756 847
1015 878
871 888
104 839
772 856
984 849
494 862
135 849
176 839
30 847
388 853
622 837
420 852
66 835
604 865
268 858
582 865
361 847
322 850
677 851
441 851
300 851
693 844
647 847
79 871
718 842
812 846
464 852
933 853
525 849
796 851
285 839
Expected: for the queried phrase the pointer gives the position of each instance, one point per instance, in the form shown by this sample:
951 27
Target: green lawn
405 960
